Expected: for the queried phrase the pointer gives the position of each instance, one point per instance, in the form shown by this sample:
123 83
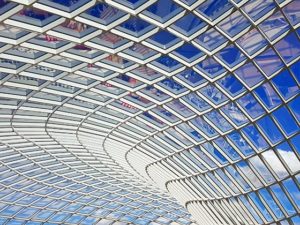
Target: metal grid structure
102 101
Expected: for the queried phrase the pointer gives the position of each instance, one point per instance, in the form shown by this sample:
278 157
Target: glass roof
153 112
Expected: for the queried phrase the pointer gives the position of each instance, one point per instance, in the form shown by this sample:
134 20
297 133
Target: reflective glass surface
150 112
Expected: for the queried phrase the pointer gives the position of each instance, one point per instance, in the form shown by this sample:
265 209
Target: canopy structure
150 112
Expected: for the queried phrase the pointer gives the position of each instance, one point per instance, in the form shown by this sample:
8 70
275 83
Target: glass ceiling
126 111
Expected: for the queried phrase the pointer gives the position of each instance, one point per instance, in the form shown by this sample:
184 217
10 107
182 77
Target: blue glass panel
227 149
293 191
262 169
285 84
152 118
212 9
258 8
295 70
129 218
291 11
215 153
197 102
204 127
104 12
232 85
141 221
213 94
180 108
249 174
269 128
288 48
249 74
269 62
188 51
155 93
272 204
135 25
10 211
44 214
288 155
250 104
231 56
282 198
275 164
202 155
75 219
268 96
59 217
33 223
166 114
211 39
252 42
140 51
172 85
163 10
191 77
294 107
286 121
234 114
296 220
234 24
26 213
89 220
167 61
240 143
210 67
218 120
250 208
3 3
15 222
35 13
227 180
255 137
163 37
274 26
260 206
188 24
